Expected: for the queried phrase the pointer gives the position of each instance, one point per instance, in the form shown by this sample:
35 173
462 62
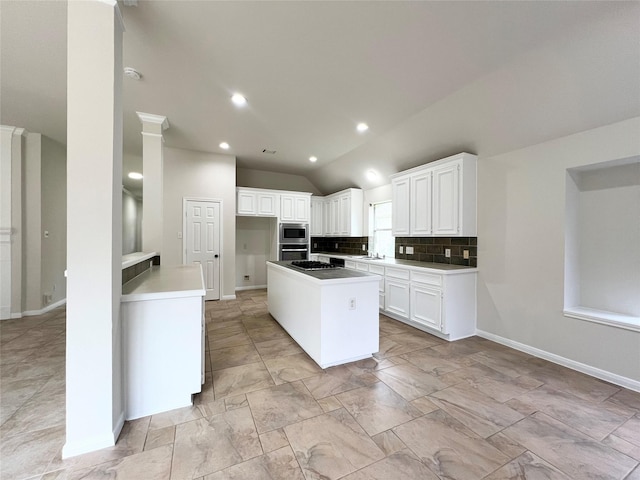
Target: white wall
131 221
521 225
54 218
32 224
188 173
253 249
277 181
609 240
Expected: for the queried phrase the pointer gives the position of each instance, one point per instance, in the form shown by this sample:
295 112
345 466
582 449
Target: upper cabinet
317 218
338 215
437 199
286 206
295 207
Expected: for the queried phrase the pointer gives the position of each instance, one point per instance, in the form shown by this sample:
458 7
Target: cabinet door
335 216
287 208
426 306
268 204
420 204
326 217
397 297
301 209
350 264
246 203
345 215
446 200
400 189
317 220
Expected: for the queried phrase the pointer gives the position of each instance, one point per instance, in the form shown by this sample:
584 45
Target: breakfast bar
332 314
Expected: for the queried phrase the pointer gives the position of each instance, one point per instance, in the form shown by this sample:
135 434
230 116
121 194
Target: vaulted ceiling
429 78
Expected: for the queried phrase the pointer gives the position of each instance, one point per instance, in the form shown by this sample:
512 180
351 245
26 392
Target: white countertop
165 282
441 268
136 257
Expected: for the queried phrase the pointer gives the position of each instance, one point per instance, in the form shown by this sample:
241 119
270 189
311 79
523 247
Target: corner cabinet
317 218
436 199
343 213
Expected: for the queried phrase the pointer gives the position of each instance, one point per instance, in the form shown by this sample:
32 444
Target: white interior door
202 242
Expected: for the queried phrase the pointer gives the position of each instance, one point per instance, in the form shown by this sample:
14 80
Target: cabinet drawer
362 266
377 269
350 264
397 273
426 278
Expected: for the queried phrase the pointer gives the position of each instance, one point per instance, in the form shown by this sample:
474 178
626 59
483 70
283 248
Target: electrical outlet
46 234
447 252
352 304
247 277
315 245
401 249
465 254
336 246
179 234
409 250
364 247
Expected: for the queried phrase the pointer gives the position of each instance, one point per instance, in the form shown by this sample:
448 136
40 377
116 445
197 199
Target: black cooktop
311 265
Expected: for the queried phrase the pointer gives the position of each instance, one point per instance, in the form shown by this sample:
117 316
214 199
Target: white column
32 297
95 412
6 143
152 165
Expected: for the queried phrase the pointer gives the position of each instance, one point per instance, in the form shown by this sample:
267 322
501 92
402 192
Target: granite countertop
136 257
326 274
441 267
160 282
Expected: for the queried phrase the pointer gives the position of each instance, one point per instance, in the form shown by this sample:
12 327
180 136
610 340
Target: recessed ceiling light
238 99
132 73
224 146
372 175
313 159
135 175
362 127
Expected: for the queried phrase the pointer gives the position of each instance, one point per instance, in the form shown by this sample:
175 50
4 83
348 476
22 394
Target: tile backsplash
346 245
432 249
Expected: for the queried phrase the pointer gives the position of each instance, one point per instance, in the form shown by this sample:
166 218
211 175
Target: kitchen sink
368 258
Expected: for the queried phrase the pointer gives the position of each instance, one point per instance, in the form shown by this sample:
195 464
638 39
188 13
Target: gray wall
277 181
521 230
54 218
131 223
188 173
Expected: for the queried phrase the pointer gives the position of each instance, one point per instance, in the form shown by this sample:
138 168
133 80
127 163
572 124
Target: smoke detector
132 73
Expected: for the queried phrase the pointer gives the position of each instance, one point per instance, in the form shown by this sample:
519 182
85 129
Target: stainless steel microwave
294 233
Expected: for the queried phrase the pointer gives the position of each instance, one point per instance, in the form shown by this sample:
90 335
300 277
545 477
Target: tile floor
421 409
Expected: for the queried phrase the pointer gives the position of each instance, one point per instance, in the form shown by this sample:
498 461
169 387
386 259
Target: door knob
215 256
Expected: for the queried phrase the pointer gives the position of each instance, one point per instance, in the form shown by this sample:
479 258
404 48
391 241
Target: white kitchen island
163 339
332 314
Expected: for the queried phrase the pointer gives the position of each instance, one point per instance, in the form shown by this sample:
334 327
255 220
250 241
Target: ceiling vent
270 152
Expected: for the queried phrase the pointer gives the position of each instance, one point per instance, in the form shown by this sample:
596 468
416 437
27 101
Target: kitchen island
332 314
163 339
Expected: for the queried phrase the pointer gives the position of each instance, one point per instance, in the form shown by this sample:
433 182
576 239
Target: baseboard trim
117 428
228 297
48 308
75 448
565 362
251 287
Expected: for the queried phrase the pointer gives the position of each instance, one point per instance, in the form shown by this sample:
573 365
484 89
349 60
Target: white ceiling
430 78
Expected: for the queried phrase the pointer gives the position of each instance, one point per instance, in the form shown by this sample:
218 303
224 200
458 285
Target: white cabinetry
317 218
294 208
426 299
436 199
397 299
345 213
400 198
288 206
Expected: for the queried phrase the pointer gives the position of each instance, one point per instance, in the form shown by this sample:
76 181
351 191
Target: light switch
401 249
409 250
46 234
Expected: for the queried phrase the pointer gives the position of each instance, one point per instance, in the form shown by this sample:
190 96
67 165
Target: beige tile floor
421 409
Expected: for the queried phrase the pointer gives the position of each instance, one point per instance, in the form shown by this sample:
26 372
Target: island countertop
441 268
332 275
160 282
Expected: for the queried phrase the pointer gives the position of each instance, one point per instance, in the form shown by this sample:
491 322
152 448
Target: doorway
201 241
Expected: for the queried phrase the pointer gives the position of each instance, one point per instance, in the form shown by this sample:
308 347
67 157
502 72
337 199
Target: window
383 243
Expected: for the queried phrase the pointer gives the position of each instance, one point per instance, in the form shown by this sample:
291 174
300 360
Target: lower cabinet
397 298
426 306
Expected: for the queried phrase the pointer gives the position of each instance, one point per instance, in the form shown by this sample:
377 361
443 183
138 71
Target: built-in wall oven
293 241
